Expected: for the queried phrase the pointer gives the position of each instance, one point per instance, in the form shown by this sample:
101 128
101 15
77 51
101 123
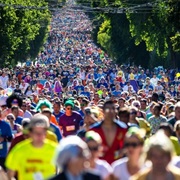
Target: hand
1 139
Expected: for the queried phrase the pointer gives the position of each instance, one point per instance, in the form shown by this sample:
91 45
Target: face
14 102
94 149
178 131
56 108
23 107
143 105
15 112
177 113
110 111
38 134
121 103
88 120
133 114
10 118
156 111
133 147
159 159
69 109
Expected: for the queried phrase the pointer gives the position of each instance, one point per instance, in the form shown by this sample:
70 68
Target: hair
125 111
177 105
14 108
93 136
161 142
44 102
166 126
176 125
158 106
108 103
11 98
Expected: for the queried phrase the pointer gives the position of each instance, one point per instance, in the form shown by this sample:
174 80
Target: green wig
44 102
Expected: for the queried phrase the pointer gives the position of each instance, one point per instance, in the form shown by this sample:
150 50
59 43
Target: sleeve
12 160
8 133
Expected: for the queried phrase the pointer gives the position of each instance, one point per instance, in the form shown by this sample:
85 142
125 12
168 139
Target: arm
11 174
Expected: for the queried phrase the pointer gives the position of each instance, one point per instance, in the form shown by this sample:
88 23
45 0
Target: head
23 107
136 104
38 127
94 143
69 105
57 107
177 110
121 102
124 114
71 155
134 141
159 151
177 129
15 111
47 112
133 114
157 110
167 128
44 104
10 117
143 104
109 110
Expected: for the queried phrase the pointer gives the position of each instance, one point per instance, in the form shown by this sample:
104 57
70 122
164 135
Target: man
173 120
112 133
32 158
5 137
53 128
15 112
4 80
70 121
27 114
57 110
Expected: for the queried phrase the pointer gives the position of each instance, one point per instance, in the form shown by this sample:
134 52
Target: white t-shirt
102 168
27 114
4 81
120 169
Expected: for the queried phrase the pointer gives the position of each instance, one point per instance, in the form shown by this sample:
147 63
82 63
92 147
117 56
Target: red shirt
110 154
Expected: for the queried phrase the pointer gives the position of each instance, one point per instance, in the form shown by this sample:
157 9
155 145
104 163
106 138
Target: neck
108 122
68 114
92 163
38 145
133 162
159 172
157 116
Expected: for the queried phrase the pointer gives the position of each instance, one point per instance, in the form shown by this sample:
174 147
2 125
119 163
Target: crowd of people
74 114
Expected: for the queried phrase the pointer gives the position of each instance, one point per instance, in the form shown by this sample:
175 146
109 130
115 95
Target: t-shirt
56 131
19 120
5 132
32 163
70 124
113 152
57 116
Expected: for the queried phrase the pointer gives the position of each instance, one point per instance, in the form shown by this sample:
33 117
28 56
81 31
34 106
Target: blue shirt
58 115
56 131
19 120
5 132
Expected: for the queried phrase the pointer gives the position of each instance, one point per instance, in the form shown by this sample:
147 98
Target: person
5 137
177 130
31 159
71 157
57 110
16 128
124 115
53 127
15 112
159 151
27 114
156 119
97 165
92 115
124 168
112 133
46 104
175 118
70 120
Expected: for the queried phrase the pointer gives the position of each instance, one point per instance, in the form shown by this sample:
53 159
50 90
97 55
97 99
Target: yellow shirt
51 136
32 163
176 144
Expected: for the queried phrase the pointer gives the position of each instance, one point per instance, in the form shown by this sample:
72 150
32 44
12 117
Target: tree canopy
23 25
137 30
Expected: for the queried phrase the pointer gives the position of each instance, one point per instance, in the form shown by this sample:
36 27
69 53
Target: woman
124 168
140 114
16 128
57 87
159 151
72 158
98 166
156 119
28 91
92 115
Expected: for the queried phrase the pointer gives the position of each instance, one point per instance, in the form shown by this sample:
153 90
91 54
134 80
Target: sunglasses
69 108
132 144
95 148
133 113
10 118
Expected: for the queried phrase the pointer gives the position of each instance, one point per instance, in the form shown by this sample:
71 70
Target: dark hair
124 110
158 106
166 126
14 108
143 100
108 103
12 97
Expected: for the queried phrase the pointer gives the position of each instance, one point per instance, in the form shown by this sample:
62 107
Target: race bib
1 146
70 128
38 176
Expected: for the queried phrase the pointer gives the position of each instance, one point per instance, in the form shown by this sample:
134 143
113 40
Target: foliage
21 24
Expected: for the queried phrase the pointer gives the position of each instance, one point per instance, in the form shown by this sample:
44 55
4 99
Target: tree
20 25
